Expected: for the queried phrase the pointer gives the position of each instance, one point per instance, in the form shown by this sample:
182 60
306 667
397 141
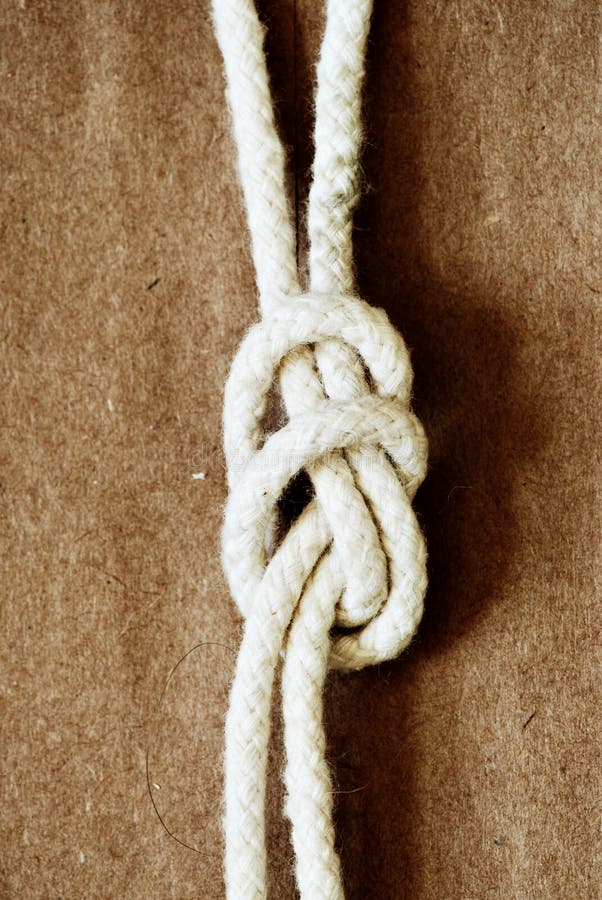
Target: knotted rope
355 556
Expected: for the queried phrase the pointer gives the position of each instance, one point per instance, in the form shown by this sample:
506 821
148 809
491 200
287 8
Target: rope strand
338 133
355 556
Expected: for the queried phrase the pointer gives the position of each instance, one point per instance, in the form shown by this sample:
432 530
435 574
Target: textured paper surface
470 767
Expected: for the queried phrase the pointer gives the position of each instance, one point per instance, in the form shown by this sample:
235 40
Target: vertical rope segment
355 557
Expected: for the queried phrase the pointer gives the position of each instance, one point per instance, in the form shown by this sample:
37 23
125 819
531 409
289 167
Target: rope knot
354 557
345 377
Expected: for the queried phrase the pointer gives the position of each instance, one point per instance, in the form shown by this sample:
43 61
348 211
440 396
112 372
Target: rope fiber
355 557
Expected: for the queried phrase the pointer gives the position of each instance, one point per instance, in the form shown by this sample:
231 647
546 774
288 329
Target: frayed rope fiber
355 557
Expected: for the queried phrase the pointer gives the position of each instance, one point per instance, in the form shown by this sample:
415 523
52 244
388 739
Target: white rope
355 556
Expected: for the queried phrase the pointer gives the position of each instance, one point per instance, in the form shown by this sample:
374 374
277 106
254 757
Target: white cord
355 556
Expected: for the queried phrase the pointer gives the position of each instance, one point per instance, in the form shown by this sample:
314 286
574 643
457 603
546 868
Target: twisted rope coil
355 556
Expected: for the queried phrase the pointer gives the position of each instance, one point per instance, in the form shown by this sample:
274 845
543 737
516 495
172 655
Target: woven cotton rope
355 556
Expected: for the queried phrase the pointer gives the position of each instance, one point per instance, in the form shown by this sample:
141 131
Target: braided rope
355 556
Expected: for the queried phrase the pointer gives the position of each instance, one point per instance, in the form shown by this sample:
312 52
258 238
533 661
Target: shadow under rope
481 425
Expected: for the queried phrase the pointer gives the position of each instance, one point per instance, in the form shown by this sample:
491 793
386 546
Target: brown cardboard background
467 769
